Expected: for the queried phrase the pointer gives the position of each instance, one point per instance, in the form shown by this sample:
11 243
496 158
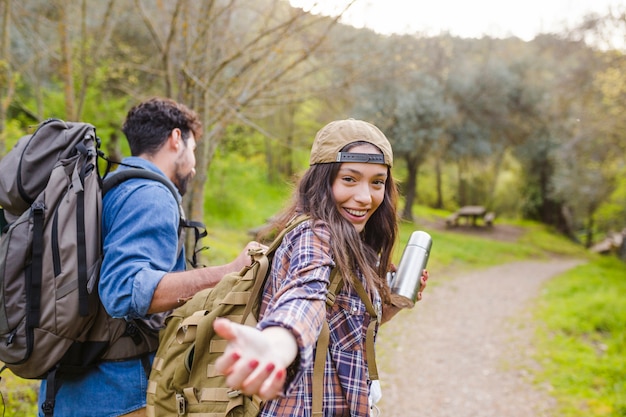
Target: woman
350 196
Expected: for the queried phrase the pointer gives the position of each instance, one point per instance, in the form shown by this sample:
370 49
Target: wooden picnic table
471 214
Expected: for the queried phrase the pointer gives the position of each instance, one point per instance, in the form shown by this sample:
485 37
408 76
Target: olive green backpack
183 381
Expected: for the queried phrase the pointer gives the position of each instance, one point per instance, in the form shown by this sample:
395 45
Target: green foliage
13 132
238 198
582 340
242 140
19 396
611 215
549 240
238 195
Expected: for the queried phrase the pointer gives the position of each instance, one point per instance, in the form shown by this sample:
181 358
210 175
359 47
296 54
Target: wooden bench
452 220
489 218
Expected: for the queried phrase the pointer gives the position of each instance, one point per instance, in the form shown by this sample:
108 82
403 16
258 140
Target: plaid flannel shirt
295 298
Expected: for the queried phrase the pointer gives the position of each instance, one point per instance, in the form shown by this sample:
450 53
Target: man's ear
174 140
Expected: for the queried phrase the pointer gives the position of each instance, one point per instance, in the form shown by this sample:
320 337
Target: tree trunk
411 188
461 193
288 169
497 167
6 76
270 161
113 147
622 248
438 184
589 232
67 71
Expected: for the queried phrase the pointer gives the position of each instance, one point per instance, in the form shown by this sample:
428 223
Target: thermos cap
421 239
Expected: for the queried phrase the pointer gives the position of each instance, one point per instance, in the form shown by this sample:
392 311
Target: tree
408 103
228 60
420 118
7 81
61 41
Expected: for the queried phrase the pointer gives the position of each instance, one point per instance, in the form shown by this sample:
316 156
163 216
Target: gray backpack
52 323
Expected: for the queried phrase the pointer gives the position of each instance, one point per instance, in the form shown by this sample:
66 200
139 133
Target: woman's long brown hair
369 251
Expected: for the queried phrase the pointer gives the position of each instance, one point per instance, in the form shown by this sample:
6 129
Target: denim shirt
140 235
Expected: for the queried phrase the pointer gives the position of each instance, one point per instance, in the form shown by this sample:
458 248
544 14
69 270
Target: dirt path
462 351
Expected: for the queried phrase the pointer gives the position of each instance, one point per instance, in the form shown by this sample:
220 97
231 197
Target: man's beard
182 181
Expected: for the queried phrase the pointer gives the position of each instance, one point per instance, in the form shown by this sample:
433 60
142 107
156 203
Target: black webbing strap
3 222
138 337
199 230
86 168
34 285
52 387
119 176
81 246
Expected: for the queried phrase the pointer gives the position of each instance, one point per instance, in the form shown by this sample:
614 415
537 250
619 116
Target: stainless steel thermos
406 280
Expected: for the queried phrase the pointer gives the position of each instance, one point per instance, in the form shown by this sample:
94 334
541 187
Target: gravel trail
463 350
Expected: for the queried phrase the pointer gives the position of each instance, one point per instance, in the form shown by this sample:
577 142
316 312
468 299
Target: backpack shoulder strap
336 282
290 226
118 177
265 263
371 329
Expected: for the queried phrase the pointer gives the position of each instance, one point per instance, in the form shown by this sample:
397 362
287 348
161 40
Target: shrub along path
465 349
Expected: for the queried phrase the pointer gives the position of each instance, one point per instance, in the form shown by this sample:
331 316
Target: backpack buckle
181 404
133 332
47 407
233 393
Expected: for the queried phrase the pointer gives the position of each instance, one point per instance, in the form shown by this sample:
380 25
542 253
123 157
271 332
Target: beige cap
333 137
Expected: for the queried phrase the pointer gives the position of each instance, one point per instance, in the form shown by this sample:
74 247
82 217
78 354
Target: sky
465 18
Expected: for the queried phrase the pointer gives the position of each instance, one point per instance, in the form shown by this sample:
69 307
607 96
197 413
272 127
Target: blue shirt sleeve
140 232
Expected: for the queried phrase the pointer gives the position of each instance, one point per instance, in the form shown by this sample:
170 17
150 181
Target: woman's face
359 188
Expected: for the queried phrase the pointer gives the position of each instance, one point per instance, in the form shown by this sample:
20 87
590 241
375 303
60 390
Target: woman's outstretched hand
255 362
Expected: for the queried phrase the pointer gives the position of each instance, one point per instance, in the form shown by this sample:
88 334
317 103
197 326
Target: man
143 273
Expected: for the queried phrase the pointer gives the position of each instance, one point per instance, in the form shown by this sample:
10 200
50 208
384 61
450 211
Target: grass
582 337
